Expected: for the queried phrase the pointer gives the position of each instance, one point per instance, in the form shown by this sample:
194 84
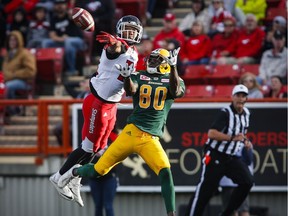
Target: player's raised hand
105 37
126 70
172 59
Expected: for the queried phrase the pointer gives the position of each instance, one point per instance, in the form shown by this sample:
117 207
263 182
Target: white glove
172 59
125 71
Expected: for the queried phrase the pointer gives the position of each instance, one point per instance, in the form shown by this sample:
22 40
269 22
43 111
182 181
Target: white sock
57 176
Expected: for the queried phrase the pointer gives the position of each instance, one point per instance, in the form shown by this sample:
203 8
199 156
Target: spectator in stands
218 16
249 43
169 30
274 61
256 7
197 48
224 44
144 48
276 88
199 12
38 28
64 33
19 66
249 80
103 12
20 23
279 23
230 5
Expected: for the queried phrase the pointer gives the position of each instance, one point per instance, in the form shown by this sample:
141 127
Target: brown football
83 19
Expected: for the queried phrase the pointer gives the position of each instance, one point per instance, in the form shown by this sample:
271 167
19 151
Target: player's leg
83 153
76 156
121 148
155 157
101 123
84 150
238 171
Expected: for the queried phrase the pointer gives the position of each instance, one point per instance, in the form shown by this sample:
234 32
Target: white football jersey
108 83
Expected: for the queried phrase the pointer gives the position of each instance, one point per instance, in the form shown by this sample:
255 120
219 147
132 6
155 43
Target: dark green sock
167 189
87 170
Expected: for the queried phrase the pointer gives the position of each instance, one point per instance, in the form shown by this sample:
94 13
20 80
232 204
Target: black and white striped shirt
231 123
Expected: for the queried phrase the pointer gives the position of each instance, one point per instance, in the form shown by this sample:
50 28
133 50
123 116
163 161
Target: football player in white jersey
99 107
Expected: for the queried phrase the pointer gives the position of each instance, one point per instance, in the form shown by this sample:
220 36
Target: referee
225 138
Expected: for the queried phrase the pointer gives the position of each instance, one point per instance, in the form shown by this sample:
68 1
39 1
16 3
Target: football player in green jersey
153 92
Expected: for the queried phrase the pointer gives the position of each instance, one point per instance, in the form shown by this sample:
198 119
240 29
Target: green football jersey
152 102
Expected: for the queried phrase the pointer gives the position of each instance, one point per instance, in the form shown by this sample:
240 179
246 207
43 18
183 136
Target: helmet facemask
128 24
157 62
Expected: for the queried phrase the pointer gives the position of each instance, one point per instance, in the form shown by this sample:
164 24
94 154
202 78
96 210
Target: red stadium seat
224 75
2 86
199 91
49 64
223 91
252 68
195 74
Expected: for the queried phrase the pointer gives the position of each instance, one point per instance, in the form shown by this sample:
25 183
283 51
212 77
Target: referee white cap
240 89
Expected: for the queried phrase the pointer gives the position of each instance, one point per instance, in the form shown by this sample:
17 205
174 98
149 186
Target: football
83 19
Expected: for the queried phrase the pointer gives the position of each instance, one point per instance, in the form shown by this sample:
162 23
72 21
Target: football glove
172 59
105 37
125 71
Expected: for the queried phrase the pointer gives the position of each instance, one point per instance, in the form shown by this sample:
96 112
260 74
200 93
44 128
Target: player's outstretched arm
114 44
174 80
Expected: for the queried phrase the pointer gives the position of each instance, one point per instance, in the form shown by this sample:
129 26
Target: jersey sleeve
221 121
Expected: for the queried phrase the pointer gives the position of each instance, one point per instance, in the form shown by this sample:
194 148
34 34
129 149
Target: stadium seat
223 91
195 74
223 75
252 68
49 64
199 91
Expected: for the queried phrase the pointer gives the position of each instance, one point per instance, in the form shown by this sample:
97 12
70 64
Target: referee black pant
215 165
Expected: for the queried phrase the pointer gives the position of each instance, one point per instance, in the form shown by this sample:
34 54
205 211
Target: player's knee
165 173
87 145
